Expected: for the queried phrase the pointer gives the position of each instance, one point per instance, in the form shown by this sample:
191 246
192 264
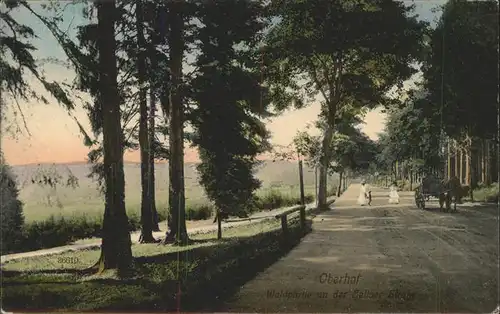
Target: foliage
460 73
59 230
350 148
410 135
348 52
17 64
314 37
226 89
488 194
11 210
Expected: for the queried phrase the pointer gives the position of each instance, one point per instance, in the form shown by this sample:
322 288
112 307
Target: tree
348 52
133 66
227 93
463 87
461 76
11 208
144 137
116 250
177 201
411 134
351 149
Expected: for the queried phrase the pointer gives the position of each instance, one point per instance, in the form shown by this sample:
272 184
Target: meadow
280 180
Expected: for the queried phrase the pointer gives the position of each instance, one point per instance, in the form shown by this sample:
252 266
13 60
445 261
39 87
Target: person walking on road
362 199
393 194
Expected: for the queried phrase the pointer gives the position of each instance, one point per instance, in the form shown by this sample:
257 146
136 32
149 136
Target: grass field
41 202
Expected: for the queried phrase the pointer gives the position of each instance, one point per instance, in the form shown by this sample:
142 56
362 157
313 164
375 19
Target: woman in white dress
362 194
393 194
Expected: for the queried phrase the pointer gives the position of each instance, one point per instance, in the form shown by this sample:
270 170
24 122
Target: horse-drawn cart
433 187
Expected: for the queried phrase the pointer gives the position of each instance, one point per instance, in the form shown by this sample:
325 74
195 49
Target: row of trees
449 124
251 60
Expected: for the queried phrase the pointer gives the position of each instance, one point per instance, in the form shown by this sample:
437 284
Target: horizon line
125 162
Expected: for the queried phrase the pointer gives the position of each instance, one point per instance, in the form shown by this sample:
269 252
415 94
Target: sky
54 136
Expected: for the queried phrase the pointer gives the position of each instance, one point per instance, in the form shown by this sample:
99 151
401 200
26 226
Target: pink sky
55 137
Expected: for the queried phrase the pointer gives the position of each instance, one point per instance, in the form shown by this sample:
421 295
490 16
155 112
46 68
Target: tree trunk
340 184
487 163
177 217
151 170
494 158
116 250
164 91
146 214
456 159
345 181
219 224
301 183
323 168
461 167
468 164
411 180
448 171
154 76
316 184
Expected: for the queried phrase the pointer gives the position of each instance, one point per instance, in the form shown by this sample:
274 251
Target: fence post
303 217
284 226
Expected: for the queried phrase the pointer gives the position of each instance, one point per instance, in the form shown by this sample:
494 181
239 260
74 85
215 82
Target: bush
274 199
488 194
11 211
332 191
56 231
199 211
59 230
404 185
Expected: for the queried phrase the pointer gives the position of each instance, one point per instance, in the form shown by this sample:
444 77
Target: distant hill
271 173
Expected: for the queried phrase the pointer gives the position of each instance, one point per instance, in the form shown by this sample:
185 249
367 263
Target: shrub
404 185
274 199
199 211
488 194
11 210
59 230
332 191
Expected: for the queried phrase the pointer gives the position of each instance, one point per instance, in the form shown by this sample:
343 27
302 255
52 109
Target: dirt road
384 258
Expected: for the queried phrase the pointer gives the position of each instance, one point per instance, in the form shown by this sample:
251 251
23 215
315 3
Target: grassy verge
487 194
60 230
207 272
